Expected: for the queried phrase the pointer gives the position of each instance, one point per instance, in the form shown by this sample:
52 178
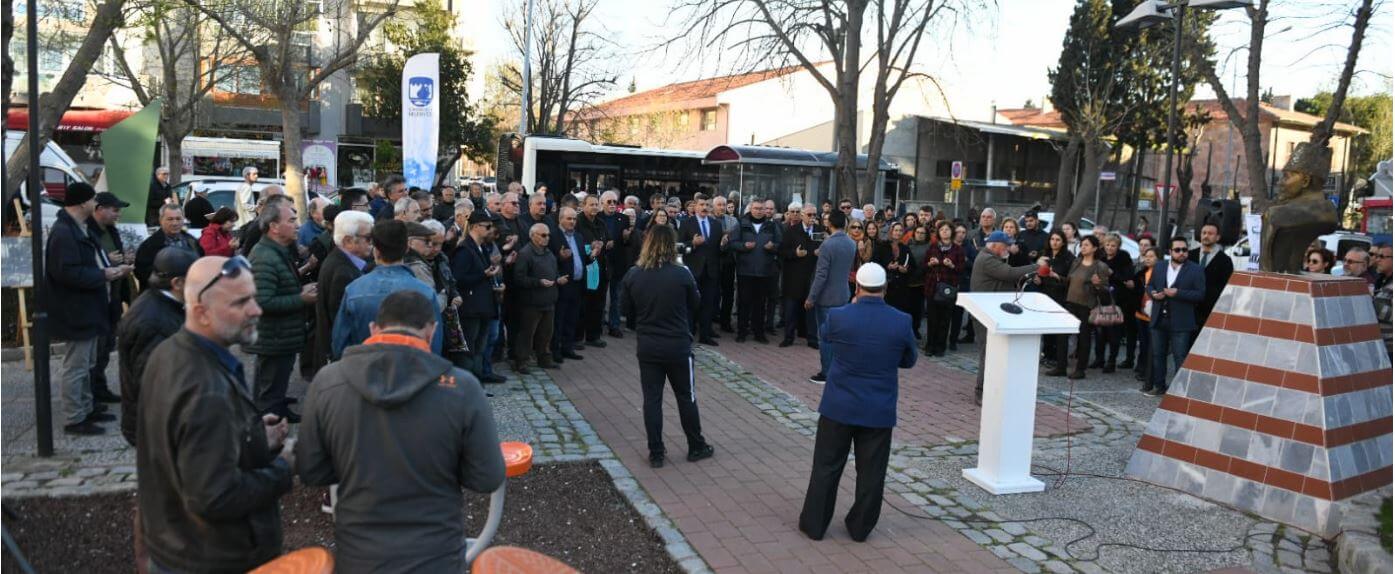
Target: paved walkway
739 509
936 403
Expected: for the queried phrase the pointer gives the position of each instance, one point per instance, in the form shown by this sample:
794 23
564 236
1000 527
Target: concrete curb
1358 547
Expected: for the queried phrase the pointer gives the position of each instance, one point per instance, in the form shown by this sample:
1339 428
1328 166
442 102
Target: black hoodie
401 431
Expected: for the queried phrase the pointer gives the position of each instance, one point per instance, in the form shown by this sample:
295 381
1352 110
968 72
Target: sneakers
704 451
85 428
818 379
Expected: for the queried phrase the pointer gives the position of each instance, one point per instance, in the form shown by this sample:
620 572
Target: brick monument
1283 407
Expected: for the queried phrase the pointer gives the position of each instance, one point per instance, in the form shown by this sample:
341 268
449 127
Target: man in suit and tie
703 239
570 247
800 257
475 273
1178 286
1217 267
870 340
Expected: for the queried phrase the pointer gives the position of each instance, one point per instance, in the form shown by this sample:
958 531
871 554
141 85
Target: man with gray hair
726 276
351 257
283 301
394 188
246 196
170 234
316 225
407 210
159 195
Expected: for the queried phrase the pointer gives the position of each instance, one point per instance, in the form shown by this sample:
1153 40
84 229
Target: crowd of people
398 303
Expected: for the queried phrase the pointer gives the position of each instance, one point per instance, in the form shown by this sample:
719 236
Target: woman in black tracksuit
664 339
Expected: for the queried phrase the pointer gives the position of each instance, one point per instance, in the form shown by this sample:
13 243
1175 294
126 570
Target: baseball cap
171 263
415 229
871 275
479 217
998 237
108 199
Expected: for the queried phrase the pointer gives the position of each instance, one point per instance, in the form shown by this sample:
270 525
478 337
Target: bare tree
818 35
105 20
1246 121
570 70
193 54
274 34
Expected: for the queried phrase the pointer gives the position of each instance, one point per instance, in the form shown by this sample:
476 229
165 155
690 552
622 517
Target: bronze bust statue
1301 213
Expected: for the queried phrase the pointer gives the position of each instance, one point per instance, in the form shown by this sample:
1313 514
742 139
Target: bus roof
576 145
770 155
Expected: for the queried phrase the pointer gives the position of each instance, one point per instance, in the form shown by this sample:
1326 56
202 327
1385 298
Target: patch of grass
1385 524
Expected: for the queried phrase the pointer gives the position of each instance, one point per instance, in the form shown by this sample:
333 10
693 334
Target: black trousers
772 298
593 311
709 293
939 328
872 450
272 378
1082 342
798 320
681 376
474 330
750 312
568 314
727 280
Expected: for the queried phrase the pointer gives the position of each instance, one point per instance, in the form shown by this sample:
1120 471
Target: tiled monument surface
1283 406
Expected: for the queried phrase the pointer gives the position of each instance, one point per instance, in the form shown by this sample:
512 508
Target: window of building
634 125
709 120
683 120
242 80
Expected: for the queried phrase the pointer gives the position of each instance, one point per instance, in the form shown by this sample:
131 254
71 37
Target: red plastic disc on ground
312 560
515 560
518 458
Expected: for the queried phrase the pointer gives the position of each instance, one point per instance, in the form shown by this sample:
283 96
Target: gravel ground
601 531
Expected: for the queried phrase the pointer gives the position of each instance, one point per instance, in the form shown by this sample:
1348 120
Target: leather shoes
86 427
786 343
704 451
656 461
814 345
1056 373
106 397
571 356
99 418
599 344
617 333
708 341
492 379
762 340
741 338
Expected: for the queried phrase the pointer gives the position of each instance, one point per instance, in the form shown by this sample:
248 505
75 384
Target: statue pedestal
1283 406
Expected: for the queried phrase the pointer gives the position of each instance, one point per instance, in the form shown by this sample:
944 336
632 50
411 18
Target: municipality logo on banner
421 113
420 91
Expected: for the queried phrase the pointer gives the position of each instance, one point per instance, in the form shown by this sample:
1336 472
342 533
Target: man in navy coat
1177 287
868 340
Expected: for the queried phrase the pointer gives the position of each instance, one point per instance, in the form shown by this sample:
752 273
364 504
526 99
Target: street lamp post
1151 12
527 79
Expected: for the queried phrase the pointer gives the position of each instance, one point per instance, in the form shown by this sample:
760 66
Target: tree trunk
1185 174
174 147
444 167
53 104
880 117
8 71
846 102
1065 178
290 140
1323 131
1095 154
1136 177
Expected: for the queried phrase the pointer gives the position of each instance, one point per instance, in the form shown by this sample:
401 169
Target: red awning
73 120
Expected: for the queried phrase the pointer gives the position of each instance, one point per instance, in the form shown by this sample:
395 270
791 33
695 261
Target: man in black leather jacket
156 315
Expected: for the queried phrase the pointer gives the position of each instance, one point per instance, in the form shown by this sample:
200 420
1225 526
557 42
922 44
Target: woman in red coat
217 238
943 264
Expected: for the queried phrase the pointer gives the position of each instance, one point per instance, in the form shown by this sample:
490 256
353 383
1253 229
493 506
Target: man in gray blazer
993 274
830 286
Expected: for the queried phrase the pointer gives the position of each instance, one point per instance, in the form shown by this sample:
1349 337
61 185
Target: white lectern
1012 358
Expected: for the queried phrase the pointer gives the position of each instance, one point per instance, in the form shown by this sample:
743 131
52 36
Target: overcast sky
1005 56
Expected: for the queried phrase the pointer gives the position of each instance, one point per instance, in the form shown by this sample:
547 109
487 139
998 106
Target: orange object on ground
518 458
312 560
515 560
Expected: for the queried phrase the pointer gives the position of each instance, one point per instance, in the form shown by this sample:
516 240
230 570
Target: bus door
593 178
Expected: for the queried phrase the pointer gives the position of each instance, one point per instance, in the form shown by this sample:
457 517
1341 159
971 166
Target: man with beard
210 469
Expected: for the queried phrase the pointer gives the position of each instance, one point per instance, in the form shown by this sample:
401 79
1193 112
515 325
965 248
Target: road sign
956 170
1162 192
956 184
1107 176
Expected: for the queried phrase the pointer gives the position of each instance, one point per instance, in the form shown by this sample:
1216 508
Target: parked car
1338 243
1087 226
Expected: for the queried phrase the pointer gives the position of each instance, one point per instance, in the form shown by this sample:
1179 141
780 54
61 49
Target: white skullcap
795 206
871 275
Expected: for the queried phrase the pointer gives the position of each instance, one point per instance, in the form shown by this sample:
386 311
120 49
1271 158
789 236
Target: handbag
1106 314
945 293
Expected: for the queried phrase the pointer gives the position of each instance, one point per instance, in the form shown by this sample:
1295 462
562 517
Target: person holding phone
1178 285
